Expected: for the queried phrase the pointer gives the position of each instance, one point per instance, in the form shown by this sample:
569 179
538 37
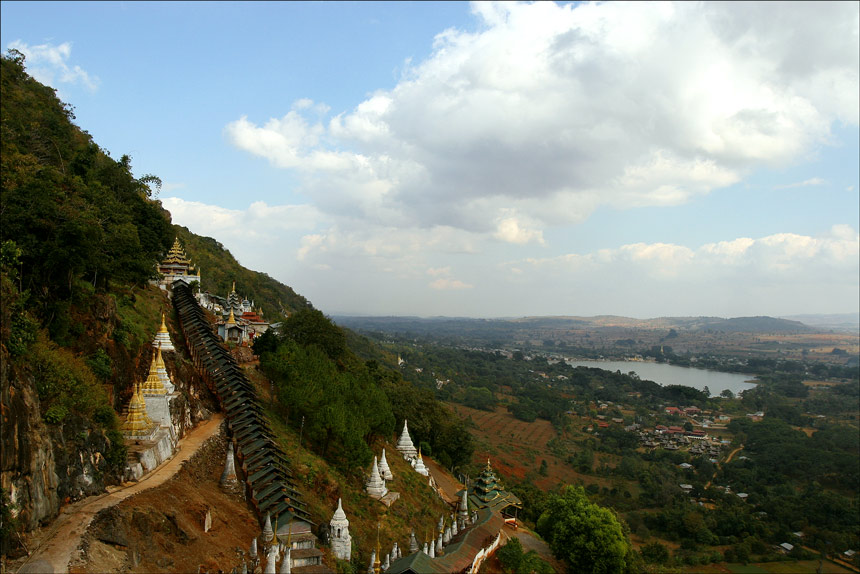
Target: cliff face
27 465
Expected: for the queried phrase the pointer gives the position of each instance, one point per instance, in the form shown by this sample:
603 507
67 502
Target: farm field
516 448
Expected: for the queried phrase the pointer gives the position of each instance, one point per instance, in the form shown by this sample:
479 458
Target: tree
587 536
655 553
514 561
727 394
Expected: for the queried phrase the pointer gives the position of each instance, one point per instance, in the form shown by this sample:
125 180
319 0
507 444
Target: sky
488 159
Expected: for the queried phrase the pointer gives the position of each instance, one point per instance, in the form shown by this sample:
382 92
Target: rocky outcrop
27 465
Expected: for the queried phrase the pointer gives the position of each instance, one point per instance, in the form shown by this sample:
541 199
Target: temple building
240 323
487 492
177 267
404 444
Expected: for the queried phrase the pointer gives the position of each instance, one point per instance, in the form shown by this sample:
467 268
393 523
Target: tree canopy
587 536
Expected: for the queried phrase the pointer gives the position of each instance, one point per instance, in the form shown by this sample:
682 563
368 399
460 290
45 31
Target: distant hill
845 322
757 325
488 328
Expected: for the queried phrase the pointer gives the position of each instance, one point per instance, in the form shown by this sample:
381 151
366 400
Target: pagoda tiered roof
487 492
176 255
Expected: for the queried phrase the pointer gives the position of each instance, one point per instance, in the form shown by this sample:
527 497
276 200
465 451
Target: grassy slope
321 484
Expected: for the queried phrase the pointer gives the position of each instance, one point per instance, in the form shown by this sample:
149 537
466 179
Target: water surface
664 374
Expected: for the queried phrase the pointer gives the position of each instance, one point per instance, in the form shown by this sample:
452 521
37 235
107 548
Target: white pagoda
404 444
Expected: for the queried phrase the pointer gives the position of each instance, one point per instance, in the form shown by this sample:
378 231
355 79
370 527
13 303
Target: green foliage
116 456
101 365
588 537
655 553
8 523
265 343
514 561
65 384
74 212
308 327
479 398
342 410
429 421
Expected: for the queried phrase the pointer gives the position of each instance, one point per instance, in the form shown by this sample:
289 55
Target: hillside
81 236
220 270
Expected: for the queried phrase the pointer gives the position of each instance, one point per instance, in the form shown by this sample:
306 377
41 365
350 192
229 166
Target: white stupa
161 368
384 469
404 444
341 541
375 485
162 337
419 466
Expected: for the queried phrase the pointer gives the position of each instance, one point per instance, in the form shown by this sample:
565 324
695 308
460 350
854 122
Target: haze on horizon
489 159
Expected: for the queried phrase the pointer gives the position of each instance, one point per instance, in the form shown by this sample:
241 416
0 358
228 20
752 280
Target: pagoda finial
232 319
163 328
377 564
234 287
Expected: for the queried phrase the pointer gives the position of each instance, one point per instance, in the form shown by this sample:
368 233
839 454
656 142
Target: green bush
56 413
101 365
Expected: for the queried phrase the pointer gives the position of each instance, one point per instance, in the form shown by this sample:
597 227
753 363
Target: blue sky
488 159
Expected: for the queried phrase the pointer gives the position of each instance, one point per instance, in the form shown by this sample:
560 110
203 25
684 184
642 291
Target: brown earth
51 548
162 529
516 448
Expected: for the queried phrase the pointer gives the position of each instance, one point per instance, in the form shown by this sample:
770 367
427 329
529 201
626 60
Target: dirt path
64 536
728 459
444 481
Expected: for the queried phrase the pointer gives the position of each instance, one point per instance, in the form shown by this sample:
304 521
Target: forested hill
80 238
220 269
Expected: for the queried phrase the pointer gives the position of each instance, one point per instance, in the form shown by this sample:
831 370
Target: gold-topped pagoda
153 384
137 424
176 265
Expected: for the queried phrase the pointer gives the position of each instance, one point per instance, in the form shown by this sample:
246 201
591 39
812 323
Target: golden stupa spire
163 328
234 287
232 319
137 422
377 565
153 384
159 360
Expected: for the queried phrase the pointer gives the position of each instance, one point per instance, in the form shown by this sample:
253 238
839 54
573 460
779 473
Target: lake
664 374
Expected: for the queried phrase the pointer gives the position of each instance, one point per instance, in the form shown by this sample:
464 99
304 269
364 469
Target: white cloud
510 230
436 272
446 284
49 64
259 222
838 250
814 181
551 111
